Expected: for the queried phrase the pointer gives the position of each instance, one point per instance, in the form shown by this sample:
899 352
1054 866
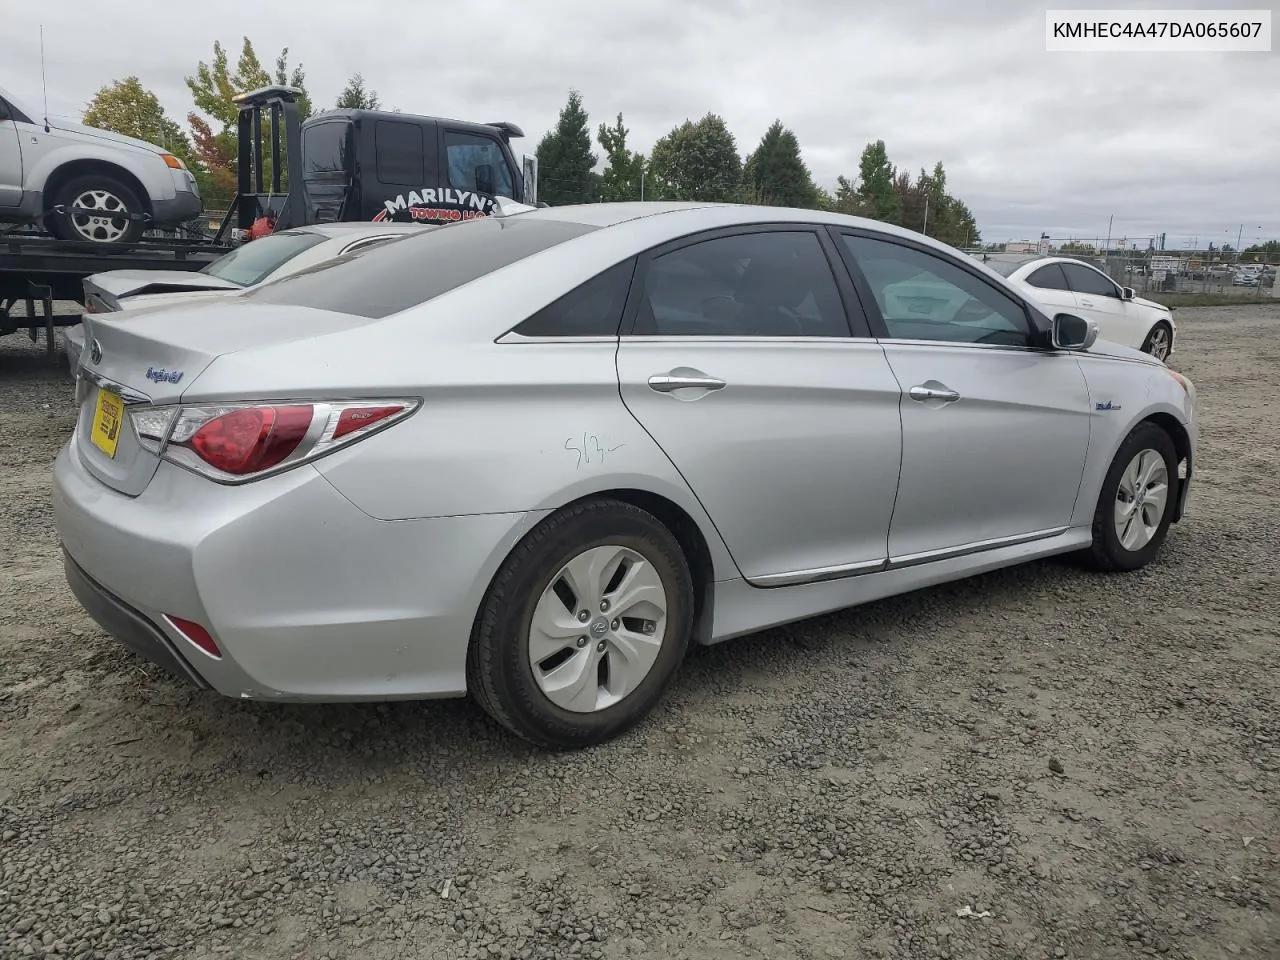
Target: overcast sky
1032 141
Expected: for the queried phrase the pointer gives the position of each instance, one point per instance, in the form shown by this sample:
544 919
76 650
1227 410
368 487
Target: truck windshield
258 259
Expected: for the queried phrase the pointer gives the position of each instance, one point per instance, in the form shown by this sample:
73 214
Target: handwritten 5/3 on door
589 449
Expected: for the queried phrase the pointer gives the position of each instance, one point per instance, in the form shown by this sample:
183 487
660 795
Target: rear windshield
1005 265
397 276
253 262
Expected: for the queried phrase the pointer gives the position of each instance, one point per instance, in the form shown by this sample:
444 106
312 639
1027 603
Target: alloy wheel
1141 499
110 225
597 628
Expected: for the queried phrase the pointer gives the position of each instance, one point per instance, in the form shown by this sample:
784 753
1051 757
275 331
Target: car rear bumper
126 624
306 596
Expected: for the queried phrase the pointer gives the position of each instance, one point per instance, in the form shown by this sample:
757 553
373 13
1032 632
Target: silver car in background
534 456
267 258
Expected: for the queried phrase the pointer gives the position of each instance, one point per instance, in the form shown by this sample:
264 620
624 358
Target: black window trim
1038 324
856 323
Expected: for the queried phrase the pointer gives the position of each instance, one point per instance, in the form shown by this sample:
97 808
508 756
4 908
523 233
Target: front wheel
583 627
1158 341
114 207
1135 506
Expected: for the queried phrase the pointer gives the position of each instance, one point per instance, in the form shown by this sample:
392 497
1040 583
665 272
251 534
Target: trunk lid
106 290
150 358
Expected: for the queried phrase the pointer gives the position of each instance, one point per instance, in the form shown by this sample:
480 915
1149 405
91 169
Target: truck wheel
111 200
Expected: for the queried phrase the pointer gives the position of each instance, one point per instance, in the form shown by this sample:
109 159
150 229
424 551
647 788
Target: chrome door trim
979 546
794 578
667 382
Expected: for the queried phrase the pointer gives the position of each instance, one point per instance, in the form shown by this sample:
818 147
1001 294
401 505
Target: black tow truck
337 166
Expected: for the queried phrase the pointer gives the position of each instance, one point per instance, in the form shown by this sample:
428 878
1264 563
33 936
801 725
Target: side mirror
1073 333
1127 293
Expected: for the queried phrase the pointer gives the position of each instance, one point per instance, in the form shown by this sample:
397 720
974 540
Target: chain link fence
1154 272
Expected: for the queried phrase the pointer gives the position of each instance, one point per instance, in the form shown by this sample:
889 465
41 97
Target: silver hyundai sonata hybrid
532 457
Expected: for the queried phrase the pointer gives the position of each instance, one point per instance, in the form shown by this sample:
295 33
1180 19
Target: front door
1098 298
776 406
10 161
994 430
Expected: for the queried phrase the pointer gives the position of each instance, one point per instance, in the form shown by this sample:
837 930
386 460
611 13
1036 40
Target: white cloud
1183 143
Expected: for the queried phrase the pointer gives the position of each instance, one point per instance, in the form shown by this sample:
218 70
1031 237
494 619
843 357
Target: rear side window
325 148
397 276
400 152
1049 277
592 309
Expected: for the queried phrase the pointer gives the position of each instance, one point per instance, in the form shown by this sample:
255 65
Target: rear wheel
1158 341
584 626
112 203
1135 506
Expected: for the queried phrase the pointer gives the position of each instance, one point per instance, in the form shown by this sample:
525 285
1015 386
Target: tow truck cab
375 165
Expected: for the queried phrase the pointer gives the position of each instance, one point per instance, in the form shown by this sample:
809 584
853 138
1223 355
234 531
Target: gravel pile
1039 763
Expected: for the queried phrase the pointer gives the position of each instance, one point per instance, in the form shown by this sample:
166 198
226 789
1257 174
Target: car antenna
44 84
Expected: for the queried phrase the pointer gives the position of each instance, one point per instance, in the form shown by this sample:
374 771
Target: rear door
1051 288
747 359
10 160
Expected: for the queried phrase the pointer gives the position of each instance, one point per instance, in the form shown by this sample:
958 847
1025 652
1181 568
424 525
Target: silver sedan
533 457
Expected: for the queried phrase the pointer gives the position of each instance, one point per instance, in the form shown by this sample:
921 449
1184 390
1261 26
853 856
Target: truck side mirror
484 179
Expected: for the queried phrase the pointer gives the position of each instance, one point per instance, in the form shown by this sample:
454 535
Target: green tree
697 161
354 96
776 171
565 160
876 191
127 107
621 178
846 199
212 88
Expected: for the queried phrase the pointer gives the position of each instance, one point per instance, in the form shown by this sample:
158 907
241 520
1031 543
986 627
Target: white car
257 261
1067 284
56 162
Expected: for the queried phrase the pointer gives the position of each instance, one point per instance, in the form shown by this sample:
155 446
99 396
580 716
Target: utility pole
1109 220
925 228
1239 234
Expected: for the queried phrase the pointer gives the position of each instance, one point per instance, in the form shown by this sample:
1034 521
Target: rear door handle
666 382
933 391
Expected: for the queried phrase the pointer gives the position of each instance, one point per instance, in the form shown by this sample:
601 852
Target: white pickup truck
112 186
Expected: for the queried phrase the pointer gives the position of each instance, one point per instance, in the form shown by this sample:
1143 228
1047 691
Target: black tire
1163 330
1107 553
65 227
499 674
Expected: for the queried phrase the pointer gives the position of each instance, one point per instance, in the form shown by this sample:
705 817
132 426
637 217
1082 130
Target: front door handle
932 390
666 382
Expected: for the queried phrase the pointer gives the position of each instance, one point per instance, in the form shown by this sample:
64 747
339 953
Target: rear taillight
236 442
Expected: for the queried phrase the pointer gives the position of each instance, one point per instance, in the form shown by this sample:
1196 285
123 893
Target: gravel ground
1039 763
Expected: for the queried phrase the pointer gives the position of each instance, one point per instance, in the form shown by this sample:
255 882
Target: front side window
924 297
477 164
1086 280
256 260
1049 277
767 284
